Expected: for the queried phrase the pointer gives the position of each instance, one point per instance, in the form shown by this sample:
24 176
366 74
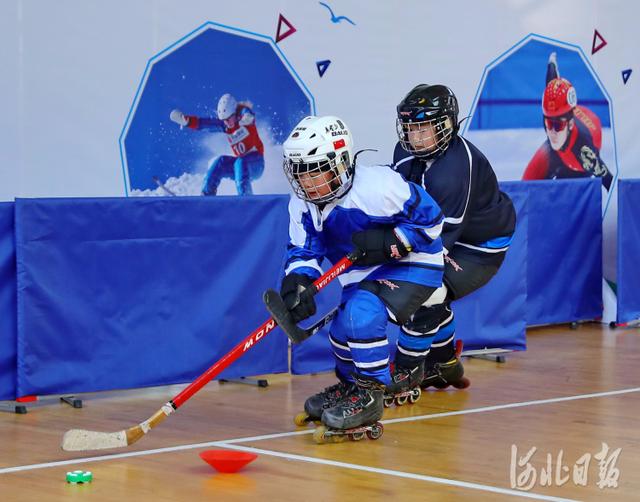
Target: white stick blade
82 440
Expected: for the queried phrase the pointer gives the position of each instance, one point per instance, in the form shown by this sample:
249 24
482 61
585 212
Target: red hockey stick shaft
253 338
84 440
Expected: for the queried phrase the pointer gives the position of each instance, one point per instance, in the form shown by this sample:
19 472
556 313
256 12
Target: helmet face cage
322 181
427 138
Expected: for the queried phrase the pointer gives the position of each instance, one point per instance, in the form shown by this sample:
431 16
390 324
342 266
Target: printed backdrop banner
628 250
7 303
121 293
184 158
107 94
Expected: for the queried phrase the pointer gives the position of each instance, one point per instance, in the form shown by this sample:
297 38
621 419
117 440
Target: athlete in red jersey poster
574 135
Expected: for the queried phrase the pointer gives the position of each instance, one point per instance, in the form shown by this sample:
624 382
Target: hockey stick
295 333
280 312
83 440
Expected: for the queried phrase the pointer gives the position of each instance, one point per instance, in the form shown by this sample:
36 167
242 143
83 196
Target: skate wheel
388 401
322 435
301 419
357 436
401 400
463 383
415 395
319 435
376 431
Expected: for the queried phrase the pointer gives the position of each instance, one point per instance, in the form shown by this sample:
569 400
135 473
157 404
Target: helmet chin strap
355 155
462 120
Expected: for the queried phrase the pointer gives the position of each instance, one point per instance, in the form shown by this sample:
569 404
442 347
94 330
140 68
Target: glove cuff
291 282
402 239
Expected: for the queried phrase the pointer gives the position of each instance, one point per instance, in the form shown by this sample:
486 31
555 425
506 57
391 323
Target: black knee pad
470 272
402 298
427 319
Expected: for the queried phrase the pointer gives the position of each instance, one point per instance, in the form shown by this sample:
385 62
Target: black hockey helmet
427 120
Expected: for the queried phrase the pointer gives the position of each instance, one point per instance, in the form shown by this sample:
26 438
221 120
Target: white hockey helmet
318 159
226 106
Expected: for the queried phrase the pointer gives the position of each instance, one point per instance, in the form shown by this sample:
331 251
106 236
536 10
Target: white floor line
113 456
445 414
513 405
400 474
230 442
268 436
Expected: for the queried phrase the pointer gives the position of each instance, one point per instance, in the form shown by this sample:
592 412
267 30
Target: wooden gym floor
569 393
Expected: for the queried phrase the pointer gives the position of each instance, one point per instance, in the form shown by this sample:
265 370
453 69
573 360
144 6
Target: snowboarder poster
210 115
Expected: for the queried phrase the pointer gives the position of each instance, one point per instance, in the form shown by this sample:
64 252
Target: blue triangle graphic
322 66
625 75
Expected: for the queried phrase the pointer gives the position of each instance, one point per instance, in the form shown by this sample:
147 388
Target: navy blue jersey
378 197
477 214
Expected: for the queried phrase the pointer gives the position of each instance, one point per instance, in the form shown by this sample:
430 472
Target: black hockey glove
297 296
379 245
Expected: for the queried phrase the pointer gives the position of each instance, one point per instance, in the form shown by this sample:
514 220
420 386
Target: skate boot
355 416
405 386
442 375
316 404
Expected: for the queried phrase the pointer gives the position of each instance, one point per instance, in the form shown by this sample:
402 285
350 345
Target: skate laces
362 392
367 382
336 391
354 400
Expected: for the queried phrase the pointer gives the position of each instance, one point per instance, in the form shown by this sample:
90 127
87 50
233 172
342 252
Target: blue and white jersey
378 197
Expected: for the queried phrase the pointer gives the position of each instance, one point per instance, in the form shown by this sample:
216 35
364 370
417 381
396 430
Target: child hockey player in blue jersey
396 225
479 219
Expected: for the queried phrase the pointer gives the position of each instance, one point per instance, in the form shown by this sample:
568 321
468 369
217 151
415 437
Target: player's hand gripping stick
282 315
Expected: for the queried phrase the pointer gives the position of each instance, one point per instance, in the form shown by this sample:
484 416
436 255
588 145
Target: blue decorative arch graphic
216 59
594 92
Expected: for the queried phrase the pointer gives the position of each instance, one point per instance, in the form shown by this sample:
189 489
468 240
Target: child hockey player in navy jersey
479 219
